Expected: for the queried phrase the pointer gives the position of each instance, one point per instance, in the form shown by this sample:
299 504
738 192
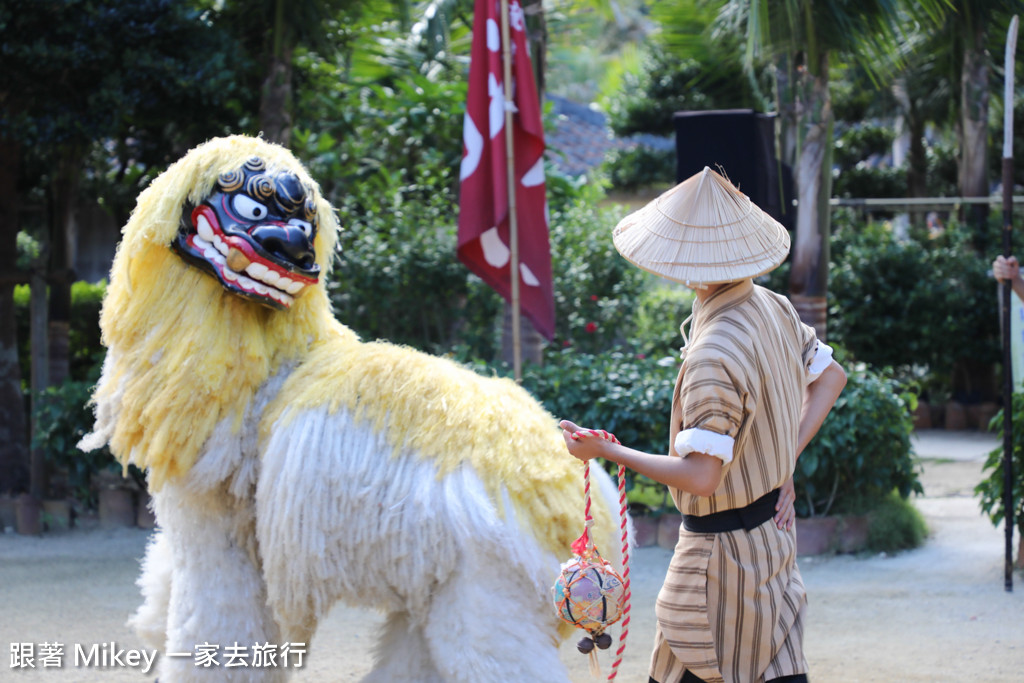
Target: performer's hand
581 447
1006 268
785 513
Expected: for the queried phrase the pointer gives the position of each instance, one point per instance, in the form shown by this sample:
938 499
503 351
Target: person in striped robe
754 387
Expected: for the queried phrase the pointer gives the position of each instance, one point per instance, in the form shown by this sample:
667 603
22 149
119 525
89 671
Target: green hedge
894 524
396 278
862 452
628 394
625 394
921 302
84 335
640 166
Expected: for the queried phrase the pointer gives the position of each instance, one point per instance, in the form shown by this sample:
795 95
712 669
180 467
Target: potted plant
990 490
94 479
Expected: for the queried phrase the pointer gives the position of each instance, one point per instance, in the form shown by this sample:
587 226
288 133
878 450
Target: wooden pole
513 223
1011 48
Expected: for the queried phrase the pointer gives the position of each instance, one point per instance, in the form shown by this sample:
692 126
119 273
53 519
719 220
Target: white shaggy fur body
256 546
293 465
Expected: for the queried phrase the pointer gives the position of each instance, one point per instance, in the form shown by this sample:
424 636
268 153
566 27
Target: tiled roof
582 137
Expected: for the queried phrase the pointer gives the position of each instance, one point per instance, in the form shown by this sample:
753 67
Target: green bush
87 350
659 311
626 394
595 288
401 257
862 451
990 490
640 166
397 278
862 180
83 337
942 179
895 524
899 303
387 157
859 143
859 457
380 145
665 84
63 416
623 393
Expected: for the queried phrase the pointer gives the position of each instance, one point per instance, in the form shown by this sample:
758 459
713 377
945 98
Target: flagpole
513 222
1008 93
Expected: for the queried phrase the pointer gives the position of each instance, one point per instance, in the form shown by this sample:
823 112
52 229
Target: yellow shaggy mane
449 415
185 353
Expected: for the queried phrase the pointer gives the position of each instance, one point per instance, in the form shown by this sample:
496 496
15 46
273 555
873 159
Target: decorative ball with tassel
589 593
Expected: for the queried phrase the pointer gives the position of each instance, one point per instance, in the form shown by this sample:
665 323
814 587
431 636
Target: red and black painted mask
255 233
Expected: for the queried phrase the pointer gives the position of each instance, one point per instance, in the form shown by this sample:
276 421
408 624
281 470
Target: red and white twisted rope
589 522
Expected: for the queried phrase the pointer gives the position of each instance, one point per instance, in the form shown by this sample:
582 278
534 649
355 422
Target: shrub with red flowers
594 286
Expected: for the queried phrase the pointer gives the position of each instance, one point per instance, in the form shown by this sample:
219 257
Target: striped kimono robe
732 605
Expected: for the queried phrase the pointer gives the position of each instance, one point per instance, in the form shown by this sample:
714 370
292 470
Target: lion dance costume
292 465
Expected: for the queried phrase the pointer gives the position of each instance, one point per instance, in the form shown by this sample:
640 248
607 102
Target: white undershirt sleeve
822 359
703 441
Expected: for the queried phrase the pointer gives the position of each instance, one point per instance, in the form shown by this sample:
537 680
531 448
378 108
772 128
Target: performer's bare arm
700 474
697 474
819 397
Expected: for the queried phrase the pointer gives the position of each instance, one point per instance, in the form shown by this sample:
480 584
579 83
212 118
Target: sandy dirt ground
938 613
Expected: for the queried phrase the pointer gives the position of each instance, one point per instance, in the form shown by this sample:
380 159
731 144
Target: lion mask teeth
264 281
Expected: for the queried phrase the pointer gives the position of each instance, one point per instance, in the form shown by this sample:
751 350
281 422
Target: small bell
585 646
603 641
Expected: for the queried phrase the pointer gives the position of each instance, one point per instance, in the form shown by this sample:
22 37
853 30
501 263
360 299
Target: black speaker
740 144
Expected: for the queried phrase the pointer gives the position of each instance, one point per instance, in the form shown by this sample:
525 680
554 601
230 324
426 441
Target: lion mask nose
286 242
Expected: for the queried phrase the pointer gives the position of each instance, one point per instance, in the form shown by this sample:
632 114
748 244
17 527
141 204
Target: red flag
483 202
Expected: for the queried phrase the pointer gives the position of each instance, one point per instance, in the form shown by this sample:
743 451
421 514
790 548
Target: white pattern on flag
535 176
484 218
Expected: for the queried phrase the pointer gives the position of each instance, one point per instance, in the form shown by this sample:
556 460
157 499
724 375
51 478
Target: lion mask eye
305 226
248 208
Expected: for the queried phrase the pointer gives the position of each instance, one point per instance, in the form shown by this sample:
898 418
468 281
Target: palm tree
802 37
274 29
973 24
923 92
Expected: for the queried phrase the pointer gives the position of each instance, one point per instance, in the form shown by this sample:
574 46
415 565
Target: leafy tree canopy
80 70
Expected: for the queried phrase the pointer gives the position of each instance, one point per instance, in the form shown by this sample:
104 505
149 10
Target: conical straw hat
701 232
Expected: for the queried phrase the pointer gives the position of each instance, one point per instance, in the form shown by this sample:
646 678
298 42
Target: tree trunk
63 236
41 368
787 105
275 120
914 124
917 160
537 33
13 432
974 94
808 278
531 343
786 135
276 94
